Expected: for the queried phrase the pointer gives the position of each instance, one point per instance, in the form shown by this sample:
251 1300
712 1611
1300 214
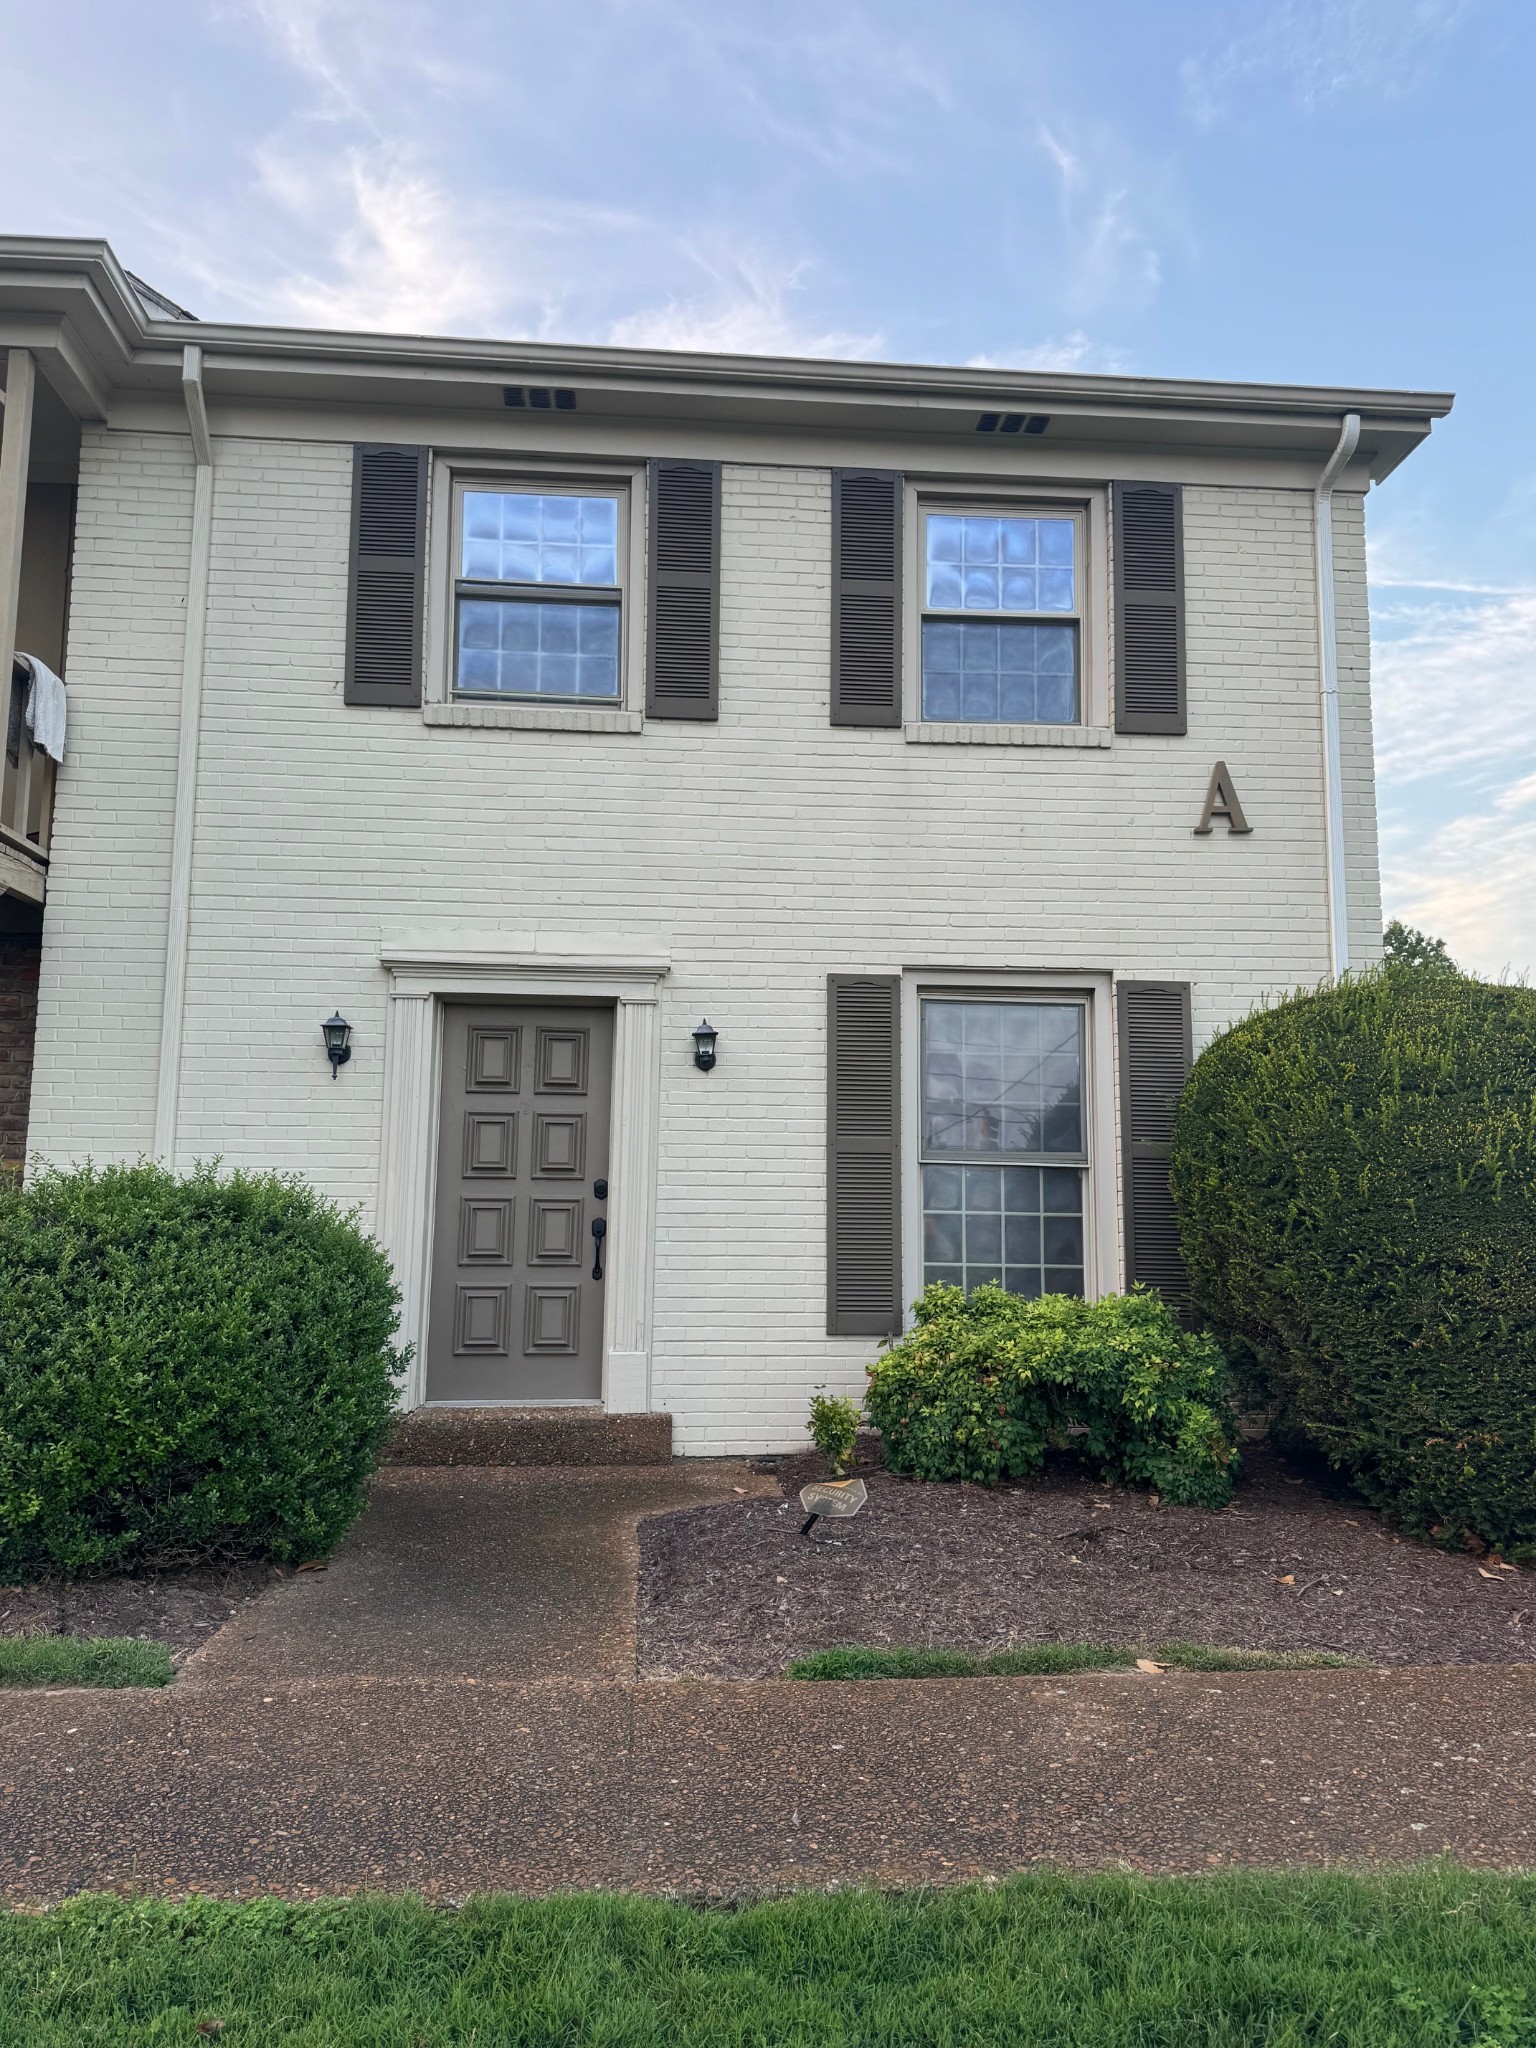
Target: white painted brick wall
766 852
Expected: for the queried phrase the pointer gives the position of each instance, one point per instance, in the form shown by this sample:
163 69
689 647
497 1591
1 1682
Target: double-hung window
538 594
1001 619
1003 1139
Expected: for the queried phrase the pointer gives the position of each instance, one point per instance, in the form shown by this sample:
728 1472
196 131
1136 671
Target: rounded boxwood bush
987 1383
1355 1177
190 1370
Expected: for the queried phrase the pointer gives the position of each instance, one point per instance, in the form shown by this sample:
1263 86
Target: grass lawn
1431 1958
83 1660
1047 1660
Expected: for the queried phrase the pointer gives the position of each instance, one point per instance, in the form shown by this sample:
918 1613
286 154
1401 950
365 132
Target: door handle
599 1232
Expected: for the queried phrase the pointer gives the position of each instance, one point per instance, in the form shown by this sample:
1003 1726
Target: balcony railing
26 791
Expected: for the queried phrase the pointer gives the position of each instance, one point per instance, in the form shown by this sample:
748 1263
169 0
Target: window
538 594
1003 1141
1001 617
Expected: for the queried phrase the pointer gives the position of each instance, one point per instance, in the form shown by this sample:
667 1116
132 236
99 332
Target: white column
405 1171
632 1211
15 453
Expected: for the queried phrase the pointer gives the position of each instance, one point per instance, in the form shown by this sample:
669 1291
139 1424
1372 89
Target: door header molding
526 963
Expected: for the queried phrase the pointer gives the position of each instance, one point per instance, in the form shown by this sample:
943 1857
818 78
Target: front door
522 1164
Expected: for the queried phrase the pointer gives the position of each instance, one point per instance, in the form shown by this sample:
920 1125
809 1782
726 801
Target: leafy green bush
190 1370
985 1385
1355 1175
834 1427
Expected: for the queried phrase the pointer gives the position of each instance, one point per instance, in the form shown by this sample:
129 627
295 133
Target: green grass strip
1047 1660
1430 1957
86 1660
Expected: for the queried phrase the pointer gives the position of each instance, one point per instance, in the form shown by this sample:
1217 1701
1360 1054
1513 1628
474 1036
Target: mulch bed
1295 1563
180 1609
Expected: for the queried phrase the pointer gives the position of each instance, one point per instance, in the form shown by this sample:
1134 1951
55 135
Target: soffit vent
1012 422
540 397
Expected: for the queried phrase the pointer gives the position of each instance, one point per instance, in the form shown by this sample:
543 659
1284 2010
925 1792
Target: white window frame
1101 1176
450 478
1089 507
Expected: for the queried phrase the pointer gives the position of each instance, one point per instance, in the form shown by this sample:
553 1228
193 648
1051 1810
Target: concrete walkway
451 1707
473 1571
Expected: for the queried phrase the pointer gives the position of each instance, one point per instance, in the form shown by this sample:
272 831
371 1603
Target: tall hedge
190 1370
1355 1176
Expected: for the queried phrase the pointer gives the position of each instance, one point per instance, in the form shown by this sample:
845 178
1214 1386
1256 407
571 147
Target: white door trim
505 969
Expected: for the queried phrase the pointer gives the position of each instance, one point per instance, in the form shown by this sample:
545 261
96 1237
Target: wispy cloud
1455 672
744 308
384 232
1325 50
1075 351
1469 882
1455 677
1115 215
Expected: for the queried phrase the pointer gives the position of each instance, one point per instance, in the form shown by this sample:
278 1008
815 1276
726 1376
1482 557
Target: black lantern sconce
704 1036
337 1033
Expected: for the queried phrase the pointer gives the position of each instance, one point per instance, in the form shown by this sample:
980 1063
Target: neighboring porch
39 467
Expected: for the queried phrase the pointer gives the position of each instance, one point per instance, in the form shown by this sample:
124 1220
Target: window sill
940 733
535 717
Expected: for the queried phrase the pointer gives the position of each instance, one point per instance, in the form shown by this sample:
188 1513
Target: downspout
1328 670
178 920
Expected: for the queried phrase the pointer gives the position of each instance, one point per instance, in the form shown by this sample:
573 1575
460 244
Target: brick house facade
252 833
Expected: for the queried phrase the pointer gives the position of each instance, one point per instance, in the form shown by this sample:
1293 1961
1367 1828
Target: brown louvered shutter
866 597
863 1155
1149 608
1156 1052
683 669
388 568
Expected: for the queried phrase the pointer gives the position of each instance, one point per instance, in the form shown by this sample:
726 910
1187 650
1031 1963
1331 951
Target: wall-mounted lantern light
337 1032
704 1037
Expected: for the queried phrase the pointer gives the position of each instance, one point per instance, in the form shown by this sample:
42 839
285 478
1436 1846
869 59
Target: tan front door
522 1164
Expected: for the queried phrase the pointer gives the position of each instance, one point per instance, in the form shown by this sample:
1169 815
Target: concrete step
529 1436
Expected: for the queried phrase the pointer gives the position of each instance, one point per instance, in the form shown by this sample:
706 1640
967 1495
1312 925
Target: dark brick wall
20 953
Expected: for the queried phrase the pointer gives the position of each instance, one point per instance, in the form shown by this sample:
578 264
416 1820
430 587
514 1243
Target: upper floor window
1001 619
539 594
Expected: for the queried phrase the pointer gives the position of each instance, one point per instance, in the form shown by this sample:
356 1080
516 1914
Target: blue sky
1307 190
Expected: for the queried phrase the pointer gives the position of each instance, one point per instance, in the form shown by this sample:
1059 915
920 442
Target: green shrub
834 1427
190 1370
1355 1175
985 1385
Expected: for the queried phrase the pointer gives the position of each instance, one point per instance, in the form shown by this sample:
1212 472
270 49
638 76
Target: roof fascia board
68 367
295 351
498 436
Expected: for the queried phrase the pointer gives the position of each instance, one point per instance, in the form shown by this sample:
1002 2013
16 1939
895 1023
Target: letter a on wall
1221 802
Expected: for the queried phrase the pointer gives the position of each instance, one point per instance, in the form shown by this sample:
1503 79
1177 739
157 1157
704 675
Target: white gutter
174 1002
1328 670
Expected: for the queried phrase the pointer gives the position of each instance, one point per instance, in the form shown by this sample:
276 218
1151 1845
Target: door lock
599 1232
600 1189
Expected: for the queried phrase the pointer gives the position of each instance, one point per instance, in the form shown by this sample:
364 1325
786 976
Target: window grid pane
1001 563
1018 1227
539 537
1002 1080
520 647
1009 675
